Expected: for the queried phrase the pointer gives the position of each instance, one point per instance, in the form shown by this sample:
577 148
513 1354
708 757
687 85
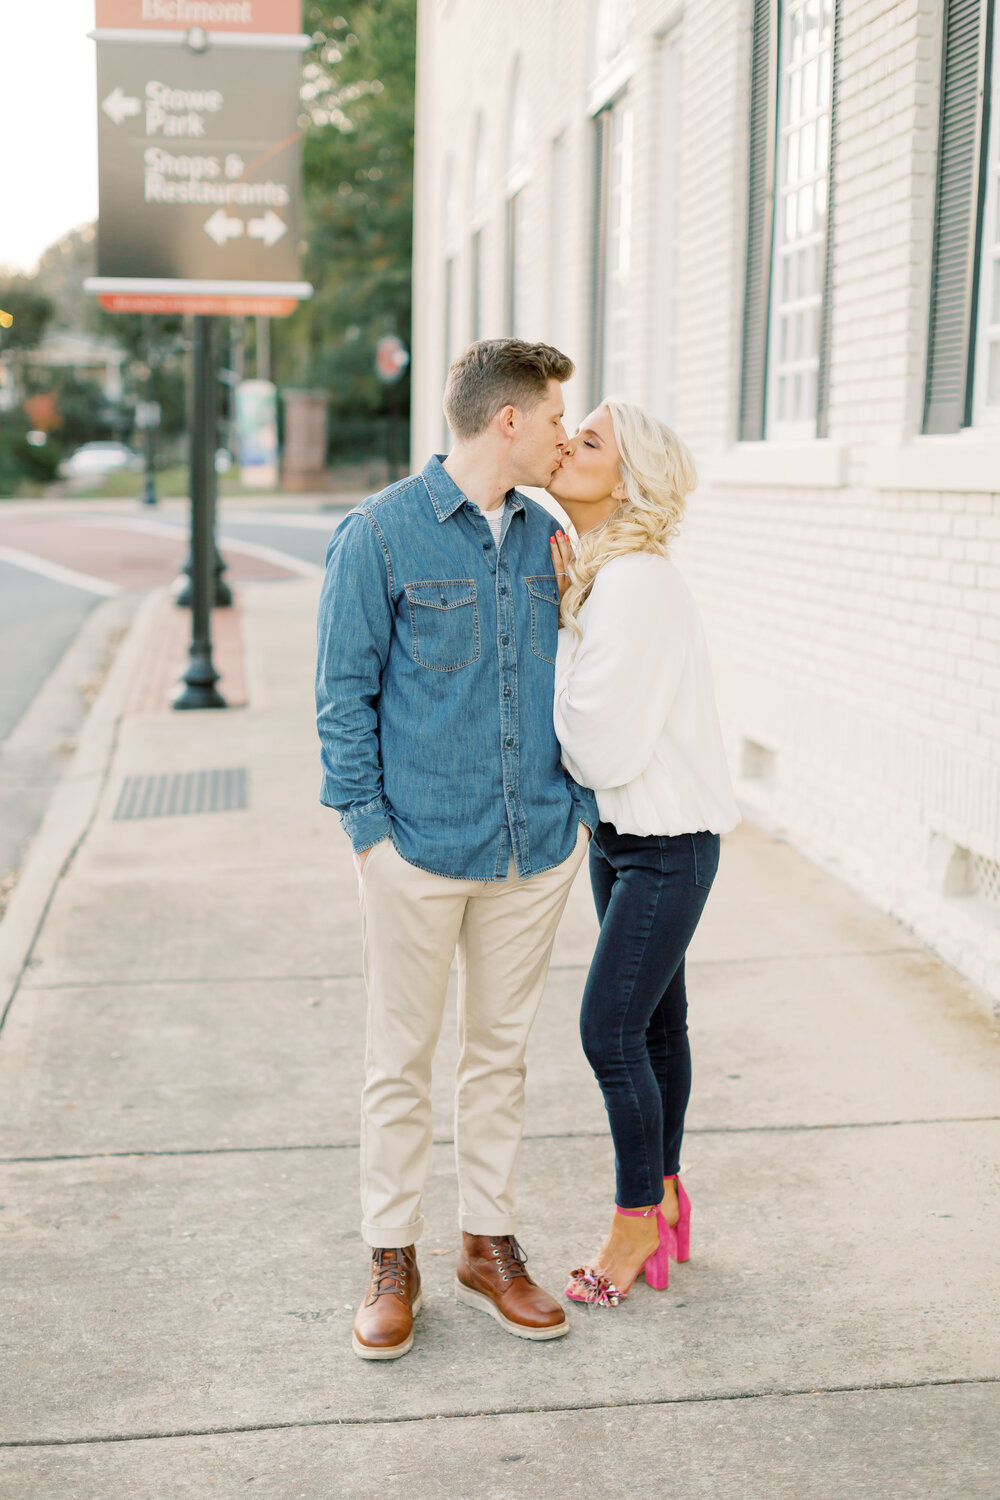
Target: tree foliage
31 310
357 100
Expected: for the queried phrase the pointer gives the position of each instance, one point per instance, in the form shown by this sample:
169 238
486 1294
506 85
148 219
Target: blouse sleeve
613 693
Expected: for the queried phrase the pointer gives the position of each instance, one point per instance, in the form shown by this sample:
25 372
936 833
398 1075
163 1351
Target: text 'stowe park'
199 155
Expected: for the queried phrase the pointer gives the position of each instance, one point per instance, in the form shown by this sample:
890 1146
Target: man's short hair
494 373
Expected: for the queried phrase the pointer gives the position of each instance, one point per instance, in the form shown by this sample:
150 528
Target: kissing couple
495 703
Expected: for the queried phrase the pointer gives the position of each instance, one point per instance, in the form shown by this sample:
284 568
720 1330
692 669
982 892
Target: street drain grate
171 795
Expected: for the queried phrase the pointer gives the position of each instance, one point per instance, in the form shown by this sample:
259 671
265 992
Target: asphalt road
38 618
56 567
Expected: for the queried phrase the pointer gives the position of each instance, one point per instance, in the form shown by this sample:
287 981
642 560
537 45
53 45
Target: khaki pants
412 923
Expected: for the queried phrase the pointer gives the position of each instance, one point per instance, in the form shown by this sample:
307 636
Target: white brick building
600 174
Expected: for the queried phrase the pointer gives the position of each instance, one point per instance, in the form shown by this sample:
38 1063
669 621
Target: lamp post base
199 690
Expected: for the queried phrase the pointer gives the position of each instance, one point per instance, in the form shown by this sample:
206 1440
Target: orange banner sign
206 307
270 16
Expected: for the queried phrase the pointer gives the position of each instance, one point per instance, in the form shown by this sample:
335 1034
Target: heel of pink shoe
657 1268
682 1229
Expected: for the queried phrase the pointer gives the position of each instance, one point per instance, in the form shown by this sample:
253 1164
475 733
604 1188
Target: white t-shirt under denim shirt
494 519
635 707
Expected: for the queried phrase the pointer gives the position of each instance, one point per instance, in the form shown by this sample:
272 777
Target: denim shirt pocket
444 618
543 593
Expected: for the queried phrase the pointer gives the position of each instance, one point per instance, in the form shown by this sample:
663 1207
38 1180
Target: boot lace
389 1268
509 1256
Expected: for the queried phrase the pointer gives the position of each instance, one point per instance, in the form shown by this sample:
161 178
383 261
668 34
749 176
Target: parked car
99 458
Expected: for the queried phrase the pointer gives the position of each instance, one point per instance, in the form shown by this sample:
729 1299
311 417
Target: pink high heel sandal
585 1285
682 1229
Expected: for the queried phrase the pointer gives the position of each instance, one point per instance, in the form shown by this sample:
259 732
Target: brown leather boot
383 1327
492 1277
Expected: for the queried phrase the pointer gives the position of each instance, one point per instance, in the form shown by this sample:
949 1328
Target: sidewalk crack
573 1135
543 1409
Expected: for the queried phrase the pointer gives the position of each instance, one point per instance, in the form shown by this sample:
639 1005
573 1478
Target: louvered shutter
823 373
760 217
602 145
958 215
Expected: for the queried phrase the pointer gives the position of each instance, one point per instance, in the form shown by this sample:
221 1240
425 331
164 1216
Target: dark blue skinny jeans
649 893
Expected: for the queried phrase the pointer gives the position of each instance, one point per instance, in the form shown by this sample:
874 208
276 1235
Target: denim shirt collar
446 497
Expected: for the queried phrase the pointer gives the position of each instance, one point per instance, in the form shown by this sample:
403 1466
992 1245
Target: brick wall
850 587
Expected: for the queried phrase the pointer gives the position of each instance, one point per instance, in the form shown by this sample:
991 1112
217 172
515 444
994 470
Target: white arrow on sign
220 227
118 106
269 229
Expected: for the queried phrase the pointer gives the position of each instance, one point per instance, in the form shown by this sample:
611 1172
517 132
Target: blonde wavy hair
658 473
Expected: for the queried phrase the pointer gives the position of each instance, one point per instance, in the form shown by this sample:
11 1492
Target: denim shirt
435 682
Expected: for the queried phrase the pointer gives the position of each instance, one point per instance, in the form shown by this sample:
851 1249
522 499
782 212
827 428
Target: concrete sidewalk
179 1079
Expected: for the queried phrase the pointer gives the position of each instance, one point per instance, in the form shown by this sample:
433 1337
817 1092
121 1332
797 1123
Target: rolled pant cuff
493 1224
380 1238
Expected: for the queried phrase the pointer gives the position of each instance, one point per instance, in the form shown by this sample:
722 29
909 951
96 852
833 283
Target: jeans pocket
705 858
444 619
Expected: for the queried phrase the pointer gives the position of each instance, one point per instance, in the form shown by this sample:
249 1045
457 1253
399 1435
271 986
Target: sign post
199 163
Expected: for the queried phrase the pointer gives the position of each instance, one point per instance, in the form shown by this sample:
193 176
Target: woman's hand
562 556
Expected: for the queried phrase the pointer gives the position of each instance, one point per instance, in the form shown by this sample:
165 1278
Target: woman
635 714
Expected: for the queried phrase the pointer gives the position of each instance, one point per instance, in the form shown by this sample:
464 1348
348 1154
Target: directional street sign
199 156
199 164
118 108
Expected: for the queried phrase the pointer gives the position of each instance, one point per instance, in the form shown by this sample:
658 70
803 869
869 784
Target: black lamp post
199 689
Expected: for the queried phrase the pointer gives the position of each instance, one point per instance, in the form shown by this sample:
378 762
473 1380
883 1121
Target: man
437 644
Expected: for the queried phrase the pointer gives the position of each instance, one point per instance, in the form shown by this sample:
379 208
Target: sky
48 125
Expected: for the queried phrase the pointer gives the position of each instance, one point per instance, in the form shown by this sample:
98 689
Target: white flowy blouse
635 707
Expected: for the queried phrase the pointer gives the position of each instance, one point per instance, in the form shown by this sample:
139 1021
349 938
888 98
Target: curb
74 801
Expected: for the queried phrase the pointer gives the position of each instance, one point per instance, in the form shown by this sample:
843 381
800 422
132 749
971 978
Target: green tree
357 99
31 310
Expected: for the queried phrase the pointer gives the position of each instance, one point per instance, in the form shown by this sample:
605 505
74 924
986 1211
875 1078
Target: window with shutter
789 248
959 216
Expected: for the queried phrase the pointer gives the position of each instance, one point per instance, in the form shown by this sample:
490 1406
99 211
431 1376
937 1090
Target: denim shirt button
508 743
506 692
505 640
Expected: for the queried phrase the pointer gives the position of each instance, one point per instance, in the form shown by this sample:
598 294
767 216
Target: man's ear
506 418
